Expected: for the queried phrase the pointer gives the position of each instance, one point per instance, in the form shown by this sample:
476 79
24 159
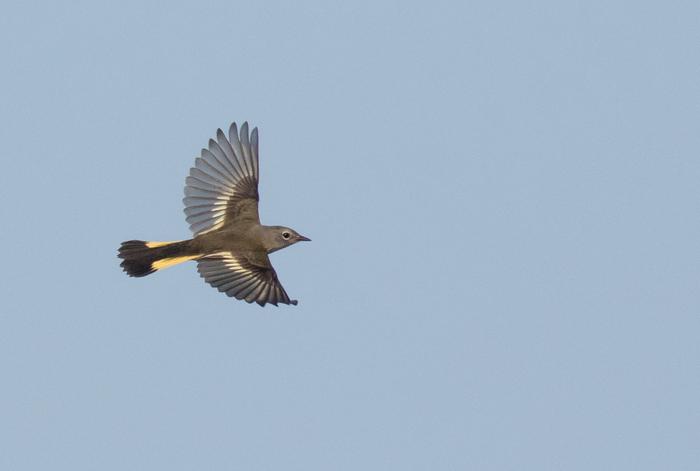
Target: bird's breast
228 240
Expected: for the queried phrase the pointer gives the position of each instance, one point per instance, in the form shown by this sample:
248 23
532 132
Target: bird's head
279 237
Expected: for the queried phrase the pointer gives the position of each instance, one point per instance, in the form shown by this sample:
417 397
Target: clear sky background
505 212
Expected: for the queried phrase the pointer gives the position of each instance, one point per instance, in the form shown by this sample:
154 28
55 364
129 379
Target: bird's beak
302 238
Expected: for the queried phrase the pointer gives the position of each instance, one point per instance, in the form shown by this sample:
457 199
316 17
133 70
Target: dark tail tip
137 259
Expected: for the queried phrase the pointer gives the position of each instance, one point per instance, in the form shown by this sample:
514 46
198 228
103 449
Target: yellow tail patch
169 262
153 245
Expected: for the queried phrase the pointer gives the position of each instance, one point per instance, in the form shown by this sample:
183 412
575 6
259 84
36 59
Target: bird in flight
230 245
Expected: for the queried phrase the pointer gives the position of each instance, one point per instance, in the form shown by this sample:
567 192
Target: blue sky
503 201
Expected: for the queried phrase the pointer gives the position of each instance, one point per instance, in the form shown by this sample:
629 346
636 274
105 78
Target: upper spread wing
244 276
223 184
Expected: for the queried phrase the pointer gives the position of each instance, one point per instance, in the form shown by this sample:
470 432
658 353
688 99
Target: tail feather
141 258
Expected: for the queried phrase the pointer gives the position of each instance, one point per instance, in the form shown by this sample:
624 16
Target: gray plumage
221 206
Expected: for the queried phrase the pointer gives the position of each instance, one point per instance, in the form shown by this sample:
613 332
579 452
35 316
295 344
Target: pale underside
221 192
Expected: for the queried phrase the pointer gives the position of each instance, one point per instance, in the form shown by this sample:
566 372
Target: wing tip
264 303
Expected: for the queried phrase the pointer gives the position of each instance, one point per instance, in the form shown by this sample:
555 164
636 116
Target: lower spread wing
248 277
223 184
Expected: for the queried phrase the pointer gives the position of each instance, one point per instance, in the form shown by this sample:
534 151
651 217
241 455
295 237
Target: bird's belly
228 241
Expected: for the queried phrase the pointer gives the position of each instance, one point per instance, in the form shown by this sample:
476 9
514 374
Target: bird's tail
141 258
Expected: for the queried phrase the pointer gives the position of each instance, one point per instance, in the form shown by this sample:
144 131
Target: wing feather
238 277
222 187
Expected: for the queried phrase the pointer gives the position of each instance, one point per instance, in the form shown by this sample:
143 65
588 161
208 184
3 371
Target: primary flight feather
230 245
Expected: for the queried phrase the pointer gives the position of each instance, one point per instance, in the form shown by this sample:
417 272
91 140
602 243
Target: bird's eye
285 235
